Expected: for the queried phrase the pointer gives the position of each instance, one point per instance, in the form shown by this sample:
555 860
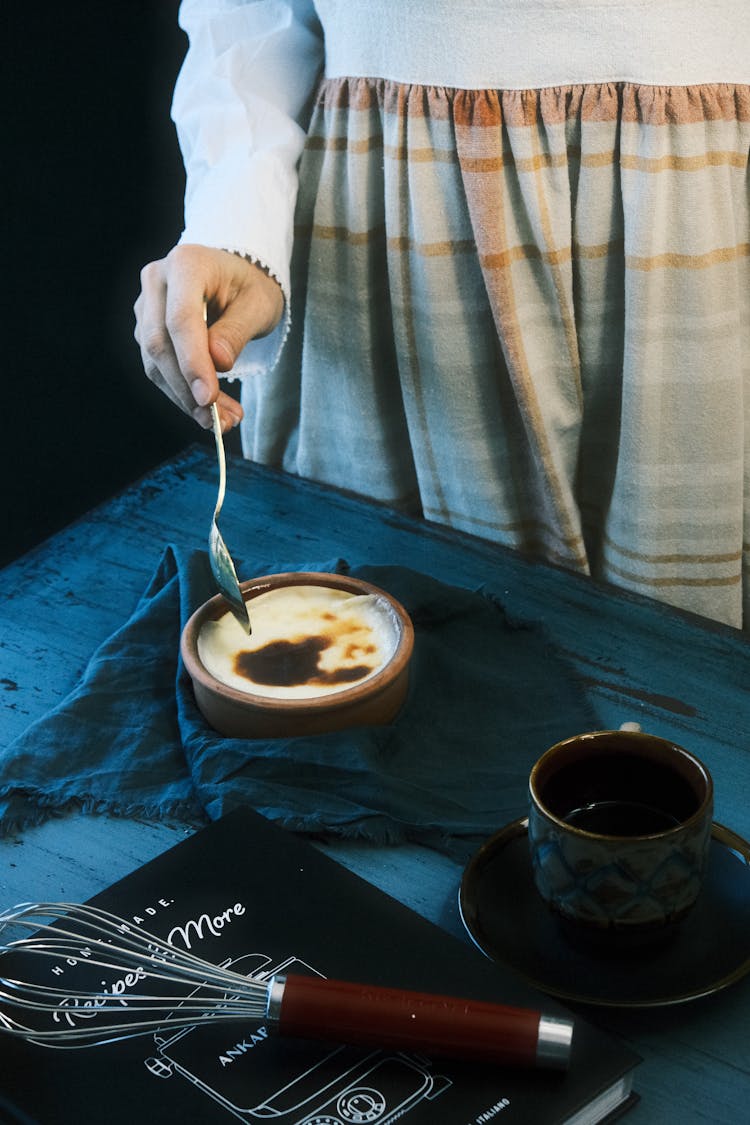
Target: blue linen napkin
487 696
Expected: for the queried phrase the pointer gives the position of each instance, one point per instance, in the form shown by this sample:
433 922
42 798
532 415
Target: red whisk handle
368 1015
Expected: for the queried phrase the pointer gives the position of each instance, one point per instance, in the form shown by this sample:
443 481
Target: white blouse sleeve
239 104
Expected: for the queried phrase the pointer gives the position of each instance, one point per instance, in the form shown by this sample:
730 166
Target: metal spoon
218 554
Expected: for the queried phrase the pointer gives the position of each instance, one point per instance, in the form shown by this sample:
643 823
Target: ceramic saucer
507 920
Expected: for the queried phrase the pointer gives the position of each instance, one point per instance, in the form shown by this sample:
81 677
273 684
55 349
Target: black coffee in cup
620 818
617 794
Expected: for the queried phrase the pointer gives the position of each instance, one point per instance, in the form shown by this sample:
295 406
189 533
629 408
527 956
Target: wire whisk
152 984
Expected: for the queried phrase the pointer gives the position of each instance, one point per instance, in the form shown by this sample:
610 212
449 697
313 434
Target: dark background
94 188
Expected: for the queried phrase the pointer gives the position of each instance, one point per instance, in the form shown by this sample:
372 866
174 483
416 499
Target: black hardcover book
246 893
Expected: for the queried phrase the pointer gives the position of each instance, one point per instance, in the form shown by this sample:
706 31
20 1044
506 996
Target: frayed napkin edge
48 806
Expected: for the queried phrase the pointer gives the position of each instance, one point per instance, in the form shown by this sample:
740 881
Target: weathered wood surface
677 676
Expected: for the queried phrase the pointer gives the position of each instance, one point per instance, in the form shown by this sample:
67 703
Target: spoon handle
222 459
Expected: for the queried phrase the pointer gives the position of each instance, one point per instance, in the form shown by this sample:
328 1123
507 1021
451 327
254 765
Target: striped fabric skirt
526 314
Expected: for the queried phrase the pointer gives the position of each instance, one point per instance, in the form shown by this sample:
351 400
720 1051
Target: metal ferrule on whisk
273 1001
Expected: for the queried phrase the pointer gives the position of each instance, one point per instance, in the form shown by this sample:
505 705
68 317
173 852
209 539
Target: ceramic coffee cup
619 831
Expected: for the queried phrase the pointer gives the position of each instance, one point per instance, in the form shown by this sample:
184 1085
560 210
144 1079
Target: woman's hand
182 353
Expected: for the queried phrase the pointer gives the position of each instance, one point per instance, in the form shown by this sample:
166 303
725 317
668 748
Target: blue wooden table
676 675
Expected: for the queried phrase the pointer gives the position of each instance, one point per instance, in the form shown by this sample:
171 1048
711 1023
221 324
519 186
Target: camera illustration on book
254 1076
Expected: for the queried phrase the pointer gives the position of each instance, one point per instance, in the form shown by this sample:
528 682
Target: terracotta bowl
245 714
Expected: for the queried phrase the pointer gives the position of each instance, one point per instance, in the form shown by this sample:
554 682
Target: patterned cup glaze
606 888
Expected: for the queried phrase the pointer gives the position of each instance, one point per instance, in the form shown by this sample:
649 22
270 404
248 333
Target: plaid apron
526 314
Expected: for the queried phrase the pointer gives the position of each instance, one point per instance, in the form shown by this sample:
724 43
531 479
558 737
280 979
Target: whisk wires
77 936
